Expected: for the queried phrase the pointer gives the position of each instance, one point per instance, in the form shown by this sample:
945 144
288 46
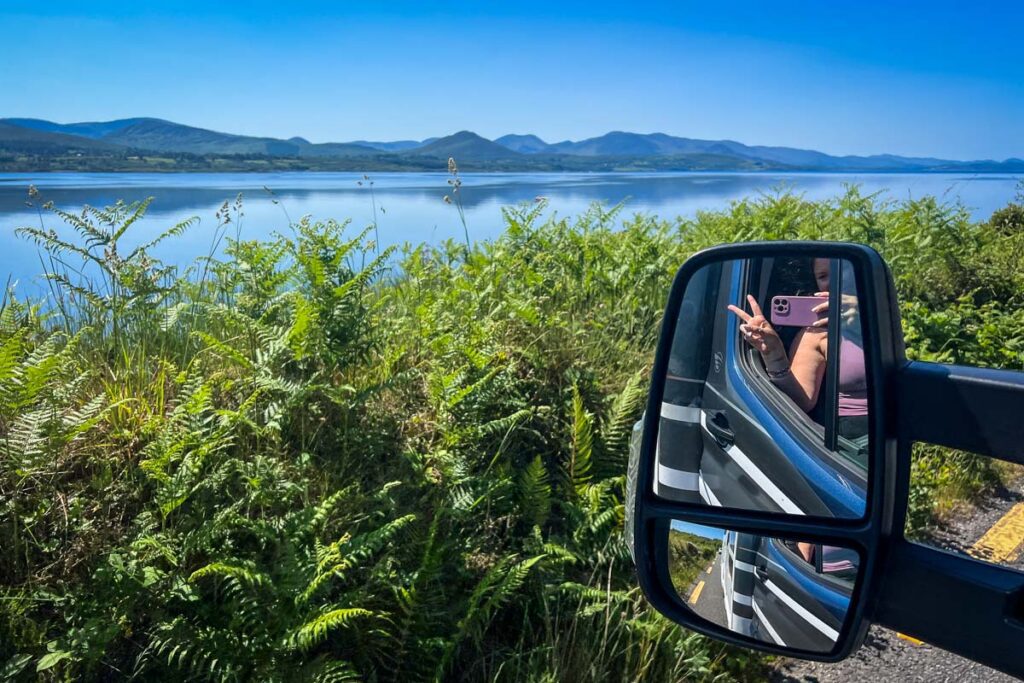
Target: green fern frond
174 231
334 671
497 586
618 426
243 575
315 631
504 425
581 456
535 493
357 283
328 505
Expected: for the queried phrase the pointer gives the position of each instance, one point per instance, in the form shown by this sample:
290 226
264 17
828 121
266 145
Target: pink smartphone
795 311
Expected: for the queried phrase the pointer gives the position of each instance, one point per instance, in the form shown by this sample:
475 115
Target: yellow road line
708 570
1002 543
695 595
910 639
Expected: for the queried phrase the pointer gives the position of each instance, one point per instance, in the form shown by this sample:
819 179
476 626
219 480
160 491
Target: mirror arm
960 604
973 409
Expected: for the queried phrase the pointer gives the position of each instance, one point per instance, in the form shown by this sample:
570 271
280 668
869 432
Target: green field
312 461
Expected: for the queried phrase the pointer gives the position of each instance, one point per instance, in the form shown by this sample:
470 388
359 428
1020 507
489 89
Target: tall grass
283 464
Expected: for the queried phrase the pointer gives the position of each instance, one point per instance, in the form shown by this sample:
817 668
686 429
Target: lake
410 206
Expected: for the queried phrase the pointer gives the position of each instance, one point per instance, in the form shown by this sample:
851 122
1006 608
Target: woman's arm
798 376
806 369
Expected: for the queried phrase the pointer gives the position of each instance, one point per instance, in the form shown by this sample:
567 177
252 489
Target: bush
288 464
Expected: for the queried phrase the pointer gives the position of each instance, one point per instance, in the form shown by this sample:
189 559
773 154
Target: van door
743 465
796 602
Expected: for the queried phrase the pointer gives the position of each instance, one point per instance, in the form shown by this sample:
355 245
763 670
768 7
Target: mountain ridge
40 144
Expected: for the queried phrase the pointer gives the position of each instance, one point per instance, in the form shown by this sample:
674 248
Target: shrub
308 460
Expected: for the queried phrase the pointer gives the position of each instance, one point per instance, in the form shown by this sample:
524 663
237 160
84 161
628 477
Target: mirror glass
783 592
766 394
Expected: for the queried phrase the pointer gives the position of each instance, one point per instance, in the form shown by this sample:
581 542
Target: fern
579 469
243 575
535 493
313 632
497 586
618 426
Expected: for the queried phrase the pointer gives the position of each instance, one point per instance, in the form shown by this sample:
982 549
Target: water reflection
413 207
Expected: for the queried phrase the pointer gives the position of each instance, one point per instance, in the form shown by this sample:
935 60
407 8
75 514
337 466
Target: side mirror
760 484
768 481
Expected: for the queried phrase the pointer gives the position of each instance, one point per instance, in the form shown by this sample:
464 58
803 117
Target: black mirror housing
652 515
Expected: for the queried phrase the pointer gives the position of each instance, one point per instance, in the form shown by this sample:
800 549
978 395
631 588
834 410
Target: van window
836 420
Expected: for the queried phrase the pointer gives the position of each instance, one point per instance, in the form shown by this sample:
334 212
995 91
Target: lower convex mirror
784 592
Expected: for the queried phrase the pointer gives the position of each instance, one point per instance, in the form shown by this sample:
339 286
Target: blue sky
920 78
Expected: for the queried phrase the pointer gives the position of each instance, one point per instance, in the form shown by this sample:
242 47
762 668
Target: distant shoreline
159 146
470 170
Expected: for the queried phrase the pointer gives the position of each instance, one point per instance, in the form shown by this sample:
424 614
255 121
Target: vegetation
689 555
308 460
35 160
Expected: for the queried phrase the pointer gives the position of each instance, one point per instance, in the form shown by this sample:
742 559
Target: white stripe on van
814 621
752 470
678 479
743 566
707 494
741 625
671 411
768 626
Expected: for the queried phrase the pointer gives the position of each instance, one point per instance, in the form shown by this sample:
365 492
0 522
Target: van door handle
718 426
761 573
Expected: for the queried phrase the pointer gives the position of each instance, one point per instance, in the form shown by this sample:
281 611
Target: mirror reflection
766 403
789 593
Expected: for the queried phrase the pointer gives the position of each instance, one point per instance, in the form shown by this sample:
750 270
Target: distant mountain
166 136
140 143
396 146
93 130
525 144
38 141
618 143
465 145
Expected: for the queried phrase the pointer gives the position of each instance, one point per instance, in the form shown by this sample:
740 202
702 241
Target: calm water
410 206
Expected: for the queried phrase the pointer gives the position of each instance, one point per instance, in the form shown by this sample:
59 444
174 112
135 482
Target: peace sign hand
759 333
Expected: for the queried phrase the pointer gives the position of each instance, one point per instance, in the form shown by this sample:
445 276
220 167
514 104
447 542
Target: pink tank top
853 384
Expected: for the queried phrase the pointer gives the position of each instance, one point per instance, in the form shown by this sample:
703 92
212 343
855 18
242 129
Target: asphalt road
706 597
885 656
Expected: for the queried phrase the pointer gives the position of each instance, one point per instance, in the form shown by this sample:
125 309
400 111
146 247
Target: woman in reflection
801 372
838 562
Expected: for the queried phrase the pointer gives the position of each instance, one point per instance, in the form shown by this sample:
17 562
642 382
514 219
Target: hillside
396 146
90 129
527 144
17 139
158 135
132 144
465 145
618 143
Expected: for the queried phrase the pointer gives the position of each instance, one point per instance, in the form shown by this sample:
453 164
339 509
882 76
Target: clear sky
919 78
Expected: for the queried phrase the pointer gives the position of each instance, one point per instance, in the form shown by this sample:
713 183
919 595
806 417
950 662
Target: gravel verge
887 657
